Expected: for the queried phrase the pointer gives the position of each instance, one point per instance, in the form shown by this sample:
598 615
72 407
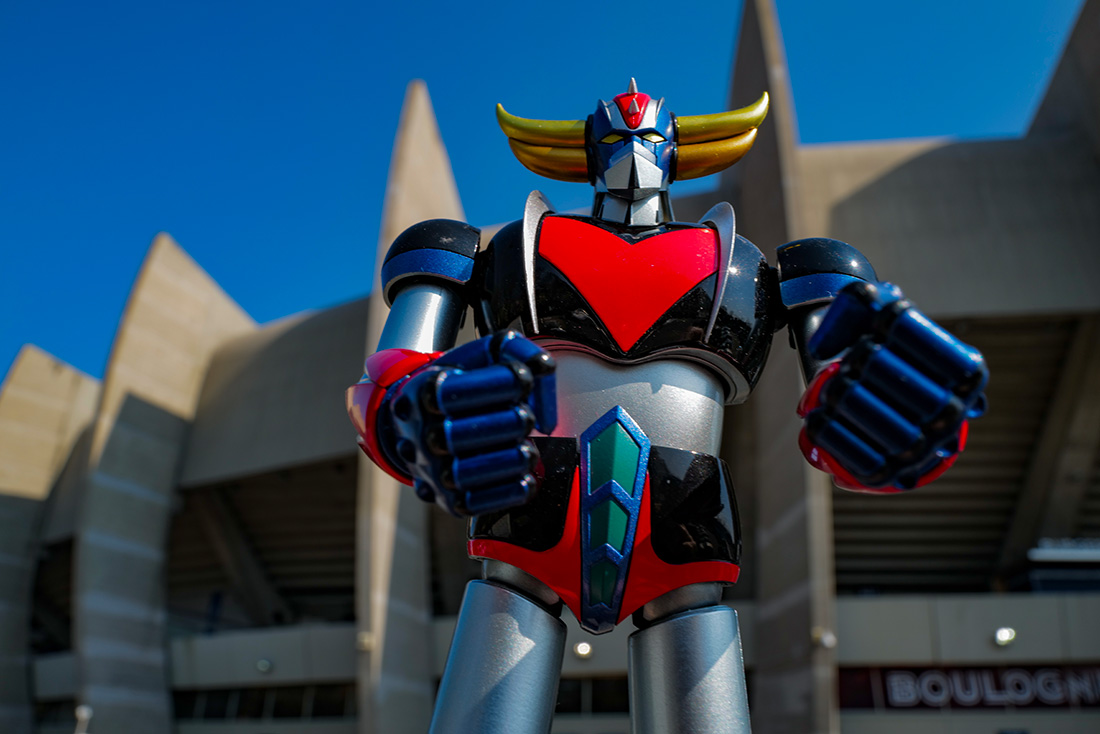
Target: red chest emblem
628 286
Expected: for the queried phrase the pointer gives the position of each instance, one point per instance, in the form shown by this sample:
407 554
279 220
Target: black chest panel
736 347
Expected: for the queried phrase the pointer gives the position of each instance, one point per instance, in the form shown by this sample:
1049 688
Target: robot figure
581 433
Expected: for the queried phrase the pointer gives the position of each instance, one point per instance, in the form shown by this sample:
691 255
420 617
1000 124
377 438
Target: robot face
632 139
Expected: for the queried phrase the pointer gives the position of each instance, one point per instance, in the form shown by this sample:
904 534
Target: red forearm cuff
364 399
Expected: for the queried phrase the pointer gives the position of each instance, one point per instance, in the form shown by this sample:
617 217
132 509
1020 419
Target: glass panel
288 702
250 704
329 701
217 704
56 712
569 696
183 704
610 696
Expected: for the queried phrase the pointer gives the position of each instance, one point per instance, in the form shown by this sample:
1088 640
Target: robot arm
890 392
454 424
423 277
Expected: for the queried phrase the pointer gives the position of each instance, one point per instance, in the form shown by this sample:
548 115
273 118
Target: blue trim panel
808 289
443 264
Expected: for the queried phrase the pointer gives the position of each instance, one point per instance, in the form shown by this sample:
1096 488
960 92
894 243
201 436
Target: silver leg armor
687 674
503 668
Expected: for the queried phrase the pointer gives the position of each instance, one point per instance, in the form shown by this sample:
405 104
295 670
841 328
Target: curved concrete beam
44 405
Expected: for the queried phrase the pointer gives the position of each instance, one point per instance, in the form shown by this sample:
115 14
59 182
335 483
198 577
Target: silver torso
677 403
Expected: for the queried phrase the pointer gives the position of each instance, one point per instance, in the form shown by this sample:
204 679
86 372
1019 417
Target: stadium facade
194 545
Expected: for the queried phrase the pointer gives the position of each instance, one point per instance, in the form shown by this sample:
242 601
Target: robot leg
505 661
686 670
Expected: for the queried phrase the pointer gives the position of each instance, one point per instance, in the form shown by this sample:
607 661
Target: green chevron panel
613 455
608 525
603 576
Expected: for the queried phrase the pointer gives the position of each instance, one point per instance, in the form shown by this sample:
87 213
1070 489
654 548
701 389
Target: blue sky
258 133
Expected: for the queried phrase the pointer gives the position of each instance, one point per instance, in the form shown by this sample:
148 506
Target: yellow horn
707 128
559 133
702 159
563 164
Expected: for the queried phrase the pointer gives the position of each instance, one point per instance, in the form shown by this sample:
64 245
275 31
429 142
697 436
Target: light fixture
823 637
583 650
1004 636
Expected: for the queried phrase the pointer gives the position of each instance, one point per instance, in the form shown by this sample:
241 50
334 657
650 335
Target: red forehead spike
632 105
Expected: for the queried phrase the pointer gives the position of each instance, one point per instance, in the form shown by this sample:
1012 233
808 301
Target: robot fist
891 414
459 425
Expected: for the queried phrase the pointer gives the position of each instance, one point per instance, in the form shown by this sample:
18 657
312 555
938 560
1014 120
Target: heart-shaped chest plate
628 285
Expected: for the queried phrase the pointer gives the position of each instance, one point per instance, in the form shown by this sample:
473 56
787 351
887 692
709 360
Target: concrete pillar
44 406
175 317
119 573
19 517
393 606
794 680
1072 101
763 186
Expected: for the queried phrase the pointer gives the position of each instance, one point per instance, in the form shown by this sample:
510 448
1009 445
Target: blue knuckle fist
892 408
461 425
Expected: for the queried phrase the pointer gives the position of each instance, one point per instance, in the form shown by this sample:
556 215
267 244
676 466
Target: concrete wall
969 722
175 317
267 727
297 655
274 398
1072 101
958 629
976 228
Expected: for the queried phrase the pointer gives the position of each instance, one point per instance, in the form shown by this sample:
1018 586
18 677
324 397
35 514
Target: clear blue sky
258 133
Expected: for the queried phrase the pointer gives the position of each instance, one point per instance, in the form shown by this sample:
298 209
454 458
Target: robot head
631 145
632 148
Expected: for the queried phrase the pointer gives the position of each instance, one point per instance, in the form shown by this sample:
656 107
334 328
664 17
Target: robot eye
611 138
653 138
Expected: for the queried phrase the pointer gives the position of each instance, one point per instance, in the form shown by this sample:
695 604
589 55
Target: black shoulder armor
811 273
746 318
813 270
438 250
500 277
